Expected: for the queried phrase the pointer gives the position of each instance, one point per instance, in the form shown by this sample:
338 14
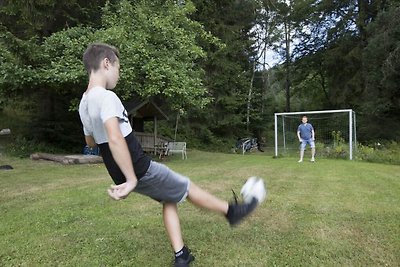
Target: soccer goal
335 132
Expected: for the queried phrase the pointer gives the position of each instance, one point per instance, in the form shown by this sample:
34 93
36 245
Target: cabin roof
145 110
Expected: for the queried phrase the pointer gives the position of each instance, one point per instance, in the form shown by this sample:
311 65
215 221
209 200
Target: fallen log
68 159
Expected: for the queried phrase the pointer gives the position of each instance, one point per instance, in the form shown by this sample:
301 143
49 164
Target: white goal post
349 127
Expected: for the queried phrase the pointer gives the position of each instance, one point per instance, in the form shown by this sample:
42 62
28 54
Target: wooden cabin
139 112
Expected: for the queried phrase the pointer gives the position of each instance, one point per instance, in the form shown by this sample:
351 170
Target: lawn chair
5 132
177 147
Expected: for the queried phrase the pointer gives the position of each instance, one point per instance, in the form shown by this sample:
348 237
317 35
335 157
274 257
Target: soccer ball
253 187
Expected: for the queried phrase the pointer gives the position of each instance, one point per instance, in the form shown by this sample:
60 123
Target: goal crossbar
352 125
314 112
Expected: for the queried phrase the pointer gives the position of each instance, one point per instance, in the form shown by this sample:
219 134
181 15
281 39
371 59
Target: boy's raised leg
203 199
233 212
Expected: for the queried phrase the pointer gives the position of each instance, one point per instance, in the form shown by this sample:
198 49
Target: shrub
22 147
339 148
379 152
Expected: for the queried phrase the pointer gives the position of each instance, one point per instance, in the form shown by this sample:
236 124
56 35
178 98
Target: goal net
335 132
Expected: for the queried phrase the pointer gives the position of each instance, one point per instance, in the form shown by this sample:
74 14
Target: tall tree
286 20
264 37
227 70
340 57
333 35
381 59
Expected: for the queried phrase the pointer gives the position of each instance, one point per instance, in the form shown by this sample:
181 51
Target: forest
219 69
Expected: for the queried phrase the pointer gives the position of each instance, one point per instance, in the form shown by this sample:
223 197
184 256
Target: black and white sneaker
237 212
184 262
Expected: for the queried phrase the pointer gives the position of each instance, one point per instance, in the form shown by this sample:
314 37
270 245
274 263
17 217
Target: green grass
331 213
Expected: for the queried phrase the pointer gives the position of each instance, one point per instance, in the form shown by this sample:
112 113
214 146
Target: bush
339 148
22 147
341 151
379 152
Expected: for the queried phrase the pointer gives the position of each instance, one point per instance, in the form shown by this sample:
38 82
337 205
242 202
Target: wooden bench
176 147
151 144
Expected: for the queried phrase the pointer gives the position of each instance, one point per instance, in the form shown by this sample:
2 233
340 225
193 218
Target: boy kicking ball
106 125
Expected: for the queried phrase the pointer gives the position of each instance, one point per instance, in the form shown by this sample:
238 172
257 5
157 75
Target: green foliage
62 59
382 60
18 64
339 149
158 54
22 147
388 153
378 152
338 139
227 69
27 19
347 57
159 49
199 55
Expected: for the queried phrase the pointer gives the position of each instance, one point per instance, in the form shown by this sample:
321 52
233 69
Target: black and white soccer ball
254 187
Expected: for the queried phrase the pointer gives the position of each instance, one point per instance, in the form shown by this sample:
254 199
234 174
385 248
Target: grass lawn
331 213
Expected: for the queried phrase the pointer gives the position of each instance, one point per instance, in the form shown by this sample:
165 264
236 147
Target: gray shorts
162 184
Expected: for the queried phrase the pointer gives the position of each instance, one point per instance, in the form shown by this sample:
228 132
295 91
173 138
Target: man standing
306 135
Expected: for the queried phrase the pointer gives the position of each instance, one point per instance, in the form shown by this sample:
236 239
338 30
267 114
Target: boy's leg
171 221
203 199
172 225
233 212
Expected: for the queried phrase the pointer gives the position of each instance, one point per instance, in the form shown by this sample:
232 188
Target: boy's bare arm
122 157
90 141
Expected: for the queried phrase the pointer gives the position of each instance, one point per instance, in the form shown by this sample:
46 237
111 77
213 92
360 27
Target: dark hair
95 53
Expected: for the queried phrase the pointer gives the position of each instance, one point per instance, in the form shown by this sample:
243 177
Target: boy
306 135
105 124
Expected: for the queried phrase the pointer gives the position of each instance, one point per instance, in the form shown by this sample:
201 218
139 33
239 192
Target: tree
158 44
228 70
287 21
381 59
30 18
32 107
264 35
341 60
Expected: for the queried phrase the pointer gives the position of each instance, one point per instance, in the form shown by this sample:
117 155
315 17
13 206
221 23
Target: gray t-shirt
96 107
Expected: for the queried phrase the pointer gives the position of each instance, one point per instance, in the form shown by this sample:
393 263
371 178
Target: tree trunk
287 64
249 97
